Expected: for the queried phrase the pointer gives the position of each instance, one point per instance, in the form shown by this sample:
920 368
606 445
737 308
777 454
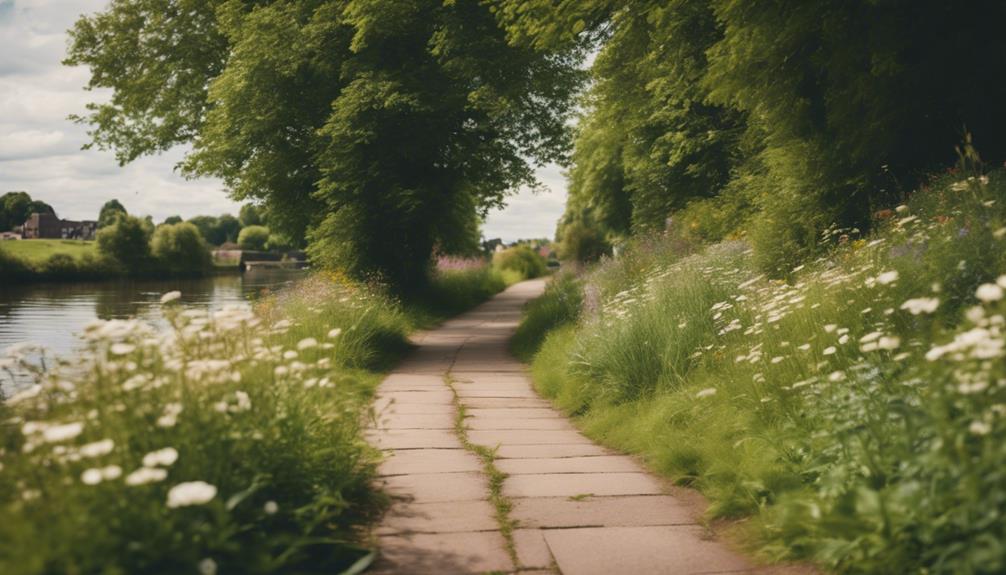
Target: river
53 314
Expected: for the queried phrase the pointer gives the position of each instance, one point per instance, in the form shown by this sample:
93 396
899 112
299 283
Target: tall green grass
854 411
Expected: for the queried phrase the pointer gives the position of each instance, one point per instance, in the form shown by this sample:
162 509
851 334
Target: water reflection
53 314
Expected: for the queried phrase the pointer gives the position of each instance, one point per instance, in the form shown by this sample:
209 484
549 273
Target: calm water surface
53 314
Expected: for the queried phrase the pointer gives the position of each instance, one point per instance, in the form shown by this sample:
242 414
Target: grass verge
853 411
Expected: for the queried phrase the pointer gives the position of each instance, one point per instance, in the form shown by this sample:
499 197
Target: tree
38 207
180 250
127 241
207 226
227 229
16 207
171 220
111 210
254 238
250 215
382 127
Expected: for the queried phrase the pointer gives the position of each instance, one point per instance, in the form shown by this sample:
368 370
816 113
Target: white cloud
40 148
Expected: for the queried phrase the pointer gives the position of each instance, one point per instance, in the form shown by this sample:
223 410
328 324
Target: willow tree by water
380 129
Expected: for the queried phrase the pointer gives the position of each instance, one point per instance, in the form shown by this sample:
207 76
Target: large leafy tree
650 141
381 129
16 207
110 210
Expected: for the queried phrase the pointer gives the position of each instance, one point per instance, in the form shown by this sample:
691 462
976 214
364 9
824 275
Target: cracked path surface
580 509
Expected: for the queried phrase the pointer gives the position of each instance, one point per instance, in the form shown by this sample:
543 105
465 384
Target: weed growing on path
501 504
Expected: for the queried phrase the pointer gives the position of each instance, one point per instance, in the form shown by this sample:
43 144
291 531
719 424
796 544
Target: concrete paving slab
414 439
597 464
409 461
610 511
533 451
506 402
526 437
443 553
439 396
437 487
405 381
416 421
441 517
577 484
681 550
532 550
390 408
515 412
534 423
507 392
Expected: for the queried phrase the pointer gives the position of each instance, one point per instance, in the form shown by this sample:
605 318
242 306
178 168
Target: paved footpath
580 509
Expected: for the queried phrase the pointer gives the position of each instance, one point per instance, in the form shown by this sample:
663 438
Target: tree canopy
16 207
782 117
380 129
110 210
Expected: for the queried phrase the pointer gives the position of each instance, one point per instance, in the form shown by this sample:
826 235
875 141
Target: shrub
60 266
127 241
180 249
253 238
13 267
521 259
582 243
278 243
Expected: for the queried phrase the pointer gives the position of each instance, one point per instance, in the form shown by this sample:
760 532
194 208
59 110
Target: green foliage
375 126
522 260
250 215
218 230
179 249
110 210
253 238
278 242
12 267
557 307
582 242
127 241
793 118
853 409
17 207
171 220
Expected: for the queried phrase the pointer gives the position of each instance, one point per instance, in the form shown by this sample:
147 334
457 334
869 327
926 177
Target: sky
40 149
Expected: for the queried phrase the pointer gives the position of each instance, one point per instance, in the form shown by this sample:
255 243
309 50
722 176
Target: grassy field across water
854 411
38 251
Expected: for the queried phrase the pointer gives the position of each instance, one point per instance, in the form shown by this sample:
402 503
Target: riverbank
61 261
230 442
850 414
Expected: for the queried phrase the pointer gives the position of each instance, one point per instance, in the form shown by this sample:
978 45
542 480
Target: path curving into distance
515 488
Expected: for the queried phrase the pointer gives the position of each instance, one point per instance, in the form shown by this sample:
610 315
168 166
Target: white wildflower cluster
139 380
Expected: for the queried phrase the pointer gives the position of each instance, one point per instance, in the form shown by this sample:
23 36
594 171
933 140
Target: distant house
48 226
15 235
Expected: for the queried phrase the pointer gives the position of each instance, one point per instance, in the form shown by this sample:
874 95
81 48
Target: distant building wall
48 226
